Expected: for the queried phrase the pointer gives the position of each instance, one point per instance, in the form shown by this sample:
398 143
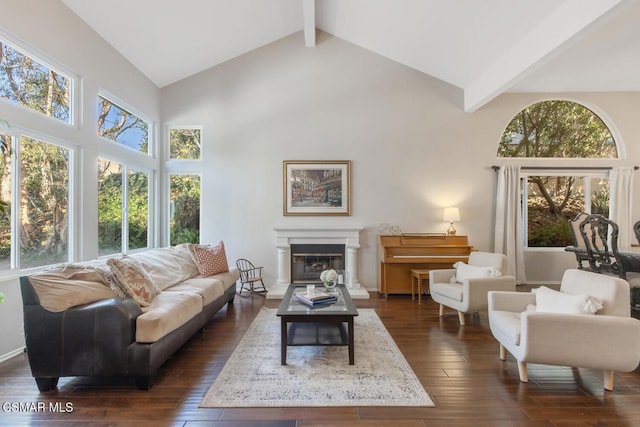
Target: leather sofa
77 324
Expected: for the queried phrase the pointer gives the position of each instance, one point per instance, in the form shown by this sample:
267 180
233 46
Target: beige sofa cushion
229 278
167 312
208 288
68 285
167 266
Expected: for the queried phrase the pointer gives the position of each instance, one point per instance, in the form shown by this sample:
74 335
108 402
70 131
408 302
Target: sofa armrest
510 301
441 276
598 341
476 290
91 339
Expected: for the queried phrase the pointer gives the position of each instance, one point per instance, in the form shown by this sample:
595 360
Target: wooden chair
578 248
250 275
597 231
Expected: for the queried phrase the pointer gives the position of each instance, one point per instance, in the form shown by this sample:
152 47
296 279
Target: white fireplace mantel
295 235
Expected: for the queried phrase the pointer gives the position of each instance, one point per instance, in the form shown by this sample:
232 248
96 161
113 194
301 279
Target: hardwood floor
458 366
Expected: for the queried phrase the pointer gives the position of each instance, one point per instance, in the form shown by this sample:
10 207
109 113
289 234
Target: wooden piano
398 255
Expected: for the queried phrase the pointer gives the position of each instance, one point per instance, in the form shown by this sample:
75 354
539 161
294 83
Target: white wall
414 150
50 30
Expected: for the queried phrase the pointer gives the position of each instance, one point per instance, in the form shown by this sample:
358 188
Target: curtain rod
495 168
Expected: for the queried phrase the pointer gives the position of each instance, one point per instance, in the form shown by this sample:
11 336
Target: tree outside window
184 143
559 129
184 214
44 203
29 82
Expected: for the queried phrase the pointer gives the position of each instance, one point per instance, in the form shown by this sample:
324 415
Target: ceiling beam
309 12
570 18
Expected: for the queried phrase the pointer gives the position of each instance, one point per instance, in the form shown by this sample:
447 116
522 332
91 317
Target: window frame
127 166
43 59
151 140
587 174
168 144
168 194
16 133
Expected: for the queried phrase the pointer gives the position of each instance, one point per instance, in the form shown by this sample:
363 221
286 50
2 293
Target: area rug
316 376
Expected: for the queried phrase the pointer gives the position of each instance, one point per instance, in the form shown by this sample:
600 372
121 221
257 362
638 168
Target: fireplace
317 238
309 260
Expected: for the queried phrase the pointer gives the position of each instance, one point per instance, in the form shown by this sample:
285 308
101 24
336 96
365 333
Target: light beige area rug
316 376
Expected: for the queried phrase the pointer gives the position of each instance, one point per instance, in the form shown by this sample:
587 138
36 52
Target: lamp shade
451 214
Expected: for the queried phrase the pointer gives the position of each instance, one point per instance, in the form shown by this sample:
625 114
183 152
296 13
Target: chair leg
522 370
608 380
503 353
461 318
441 311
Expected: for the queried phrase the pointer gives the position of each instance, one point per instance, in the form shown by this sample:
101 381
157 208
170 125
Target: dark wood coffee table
324 324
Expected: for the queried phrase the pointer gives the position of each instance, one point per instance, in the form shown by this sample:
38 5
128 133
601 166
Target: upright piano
398 255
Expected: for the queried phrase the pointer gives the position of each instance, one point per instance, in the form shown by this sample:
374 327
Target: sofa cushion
167 312
210 259
508 323
552 301
167 266
133 280
68 285
449 290
208 288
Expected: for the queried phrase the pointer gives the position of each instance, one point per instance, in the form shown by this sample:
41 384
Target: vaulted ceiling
484 47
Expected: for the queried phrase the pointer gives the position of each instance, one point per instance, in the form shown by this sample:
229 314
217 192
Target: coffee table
319 325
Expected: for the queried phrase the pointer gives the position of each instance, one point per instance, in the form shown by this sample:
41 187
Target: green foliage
553 234
185 209
184 143
25 81
557 129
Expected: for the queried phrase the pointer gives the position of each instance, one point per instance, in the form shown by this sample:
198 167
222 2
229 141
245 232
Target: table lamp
451 215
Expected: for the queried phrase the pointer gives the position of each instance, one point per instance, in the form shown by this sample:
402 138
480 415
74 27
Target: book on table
317 297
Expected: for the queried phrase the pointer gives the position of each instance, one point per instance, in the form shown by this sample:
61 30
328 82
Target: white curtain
508 227
621 189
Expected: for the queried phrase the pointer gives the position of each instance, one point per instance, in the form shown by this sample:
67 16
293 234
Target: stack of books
317 298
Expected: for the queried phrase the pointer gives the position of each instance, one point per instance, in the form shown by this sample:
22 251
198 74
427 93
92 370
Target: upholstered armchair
465 288
559 328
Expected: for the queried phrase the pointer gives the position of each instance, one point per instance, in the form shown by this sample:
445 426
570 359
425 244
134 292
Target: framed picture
317 187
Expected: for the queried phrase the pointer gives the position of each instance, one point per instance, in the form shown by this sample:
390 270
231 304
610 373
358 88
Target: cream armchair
608 340
466 291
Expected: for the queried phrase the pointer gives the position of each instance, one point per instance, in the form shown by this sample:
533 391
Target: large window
184 214
552 200
559 129
31 83
123 208
118 124
37 232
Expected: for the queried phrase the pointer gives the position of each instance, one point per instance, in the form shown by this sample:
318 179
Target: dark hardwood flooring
458 366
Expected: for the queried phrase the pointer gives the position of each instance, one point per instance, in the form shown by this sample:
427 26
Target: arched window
559 129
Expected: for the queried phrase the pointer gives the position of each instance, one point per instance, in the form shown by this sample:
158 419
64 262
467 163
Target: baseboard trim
12 354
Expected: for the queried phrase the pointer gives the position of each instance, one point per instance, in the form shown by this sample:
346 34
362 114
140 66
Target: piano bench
417 276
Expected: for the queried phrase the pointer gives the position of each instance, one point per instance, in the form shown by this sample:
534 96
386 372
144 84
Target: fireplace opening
309 260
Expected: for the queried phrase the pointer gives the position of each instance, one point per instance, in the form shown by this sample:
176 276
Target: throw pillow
210 259
552 301
465 271
133 280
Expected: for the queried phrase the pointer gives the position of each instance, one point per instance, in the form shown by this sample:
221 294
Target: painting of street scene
316 188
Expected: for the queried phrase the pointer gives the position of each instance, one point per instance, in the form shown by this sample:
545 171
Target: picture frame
316 187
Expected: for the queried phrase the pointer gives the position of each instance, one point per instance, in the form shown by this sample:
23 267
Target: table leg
283 341
419 290
352 358
413 288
